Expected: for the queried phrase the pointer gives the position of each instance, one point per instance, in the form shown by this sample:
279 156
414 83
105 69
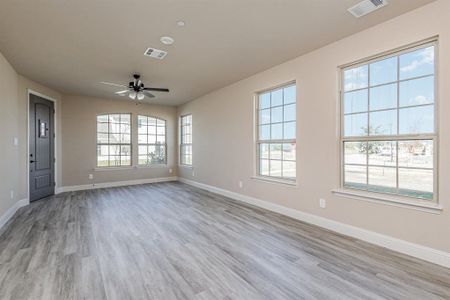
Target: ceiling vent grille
155 53
367 6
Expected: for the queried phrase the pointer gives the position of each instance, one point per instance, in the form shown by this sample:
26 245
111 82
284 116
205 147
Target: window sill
186 166
155 166
398 201
105 169
275 181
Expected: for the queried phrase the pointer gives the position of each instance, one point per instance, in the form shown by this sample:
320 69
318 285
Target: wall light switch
11 194
193 174
91 176
322 203
170 171
241 184
16 141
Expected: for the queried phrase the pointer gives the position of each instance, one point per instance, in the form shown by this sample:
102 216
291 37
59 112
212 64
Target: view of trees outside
392 98
373 165
151 140
113 140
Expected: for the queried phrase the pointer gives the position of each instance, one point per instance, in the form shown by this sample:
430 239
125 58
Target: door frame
55 141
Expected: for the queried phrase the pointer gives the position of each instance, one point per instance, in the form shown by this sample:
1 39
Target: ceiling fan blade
150 95
122 93
114 84
156 89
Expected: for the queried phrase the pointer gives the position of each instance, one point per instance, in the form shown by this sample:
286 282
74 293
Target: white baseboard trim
422 252
11 211
73 188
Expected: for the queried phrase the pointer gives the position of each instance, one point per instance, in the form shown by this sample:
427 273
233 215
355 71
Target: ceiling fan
136 89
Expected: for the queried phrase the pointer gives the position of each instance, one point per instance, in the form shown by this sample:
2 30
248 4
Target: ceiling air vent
367 6
155 53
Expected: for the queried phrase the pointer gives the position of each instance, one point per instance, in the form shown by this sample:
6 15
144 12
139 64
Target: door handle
32 161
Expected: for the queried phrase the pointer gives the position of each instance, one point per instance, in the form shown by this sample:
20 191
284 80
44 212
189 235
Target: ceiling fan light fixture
136 89
132 95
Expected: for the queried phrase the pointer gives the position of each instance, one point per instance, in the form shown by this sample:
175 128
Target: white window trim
386 198
265 179
134 167
153 166
256 175
180 164
186 166
392 200
114 168
143 166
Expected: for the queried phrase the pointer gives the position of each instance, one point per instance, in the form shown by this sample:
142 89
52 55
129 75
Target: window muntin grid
186 140
152 145
276 133
388 117
113 140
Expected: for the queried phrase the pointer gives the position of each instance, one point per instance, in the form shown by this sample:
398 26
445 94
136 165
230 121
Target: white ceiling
73 45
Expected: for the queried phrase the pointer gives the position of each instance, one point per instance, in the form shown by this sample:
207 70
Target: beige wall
13 121
223 132
79 140
10 128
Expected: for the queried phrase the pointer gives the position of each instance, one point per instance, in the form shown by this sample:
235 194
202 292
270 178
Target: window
151 141
388 124
186 140
114 140
276 138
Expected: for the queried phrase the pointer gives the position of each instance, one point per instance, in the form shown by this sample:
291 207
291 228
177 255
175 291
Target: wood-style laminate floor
174 241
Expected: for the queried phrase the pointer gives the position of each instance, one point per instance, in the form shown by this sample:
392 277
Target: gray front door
42 157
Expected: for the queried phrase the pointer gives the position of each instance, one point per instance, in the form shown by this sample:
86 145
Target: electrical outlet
91 176
322 203
11 194
170 171
241 184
